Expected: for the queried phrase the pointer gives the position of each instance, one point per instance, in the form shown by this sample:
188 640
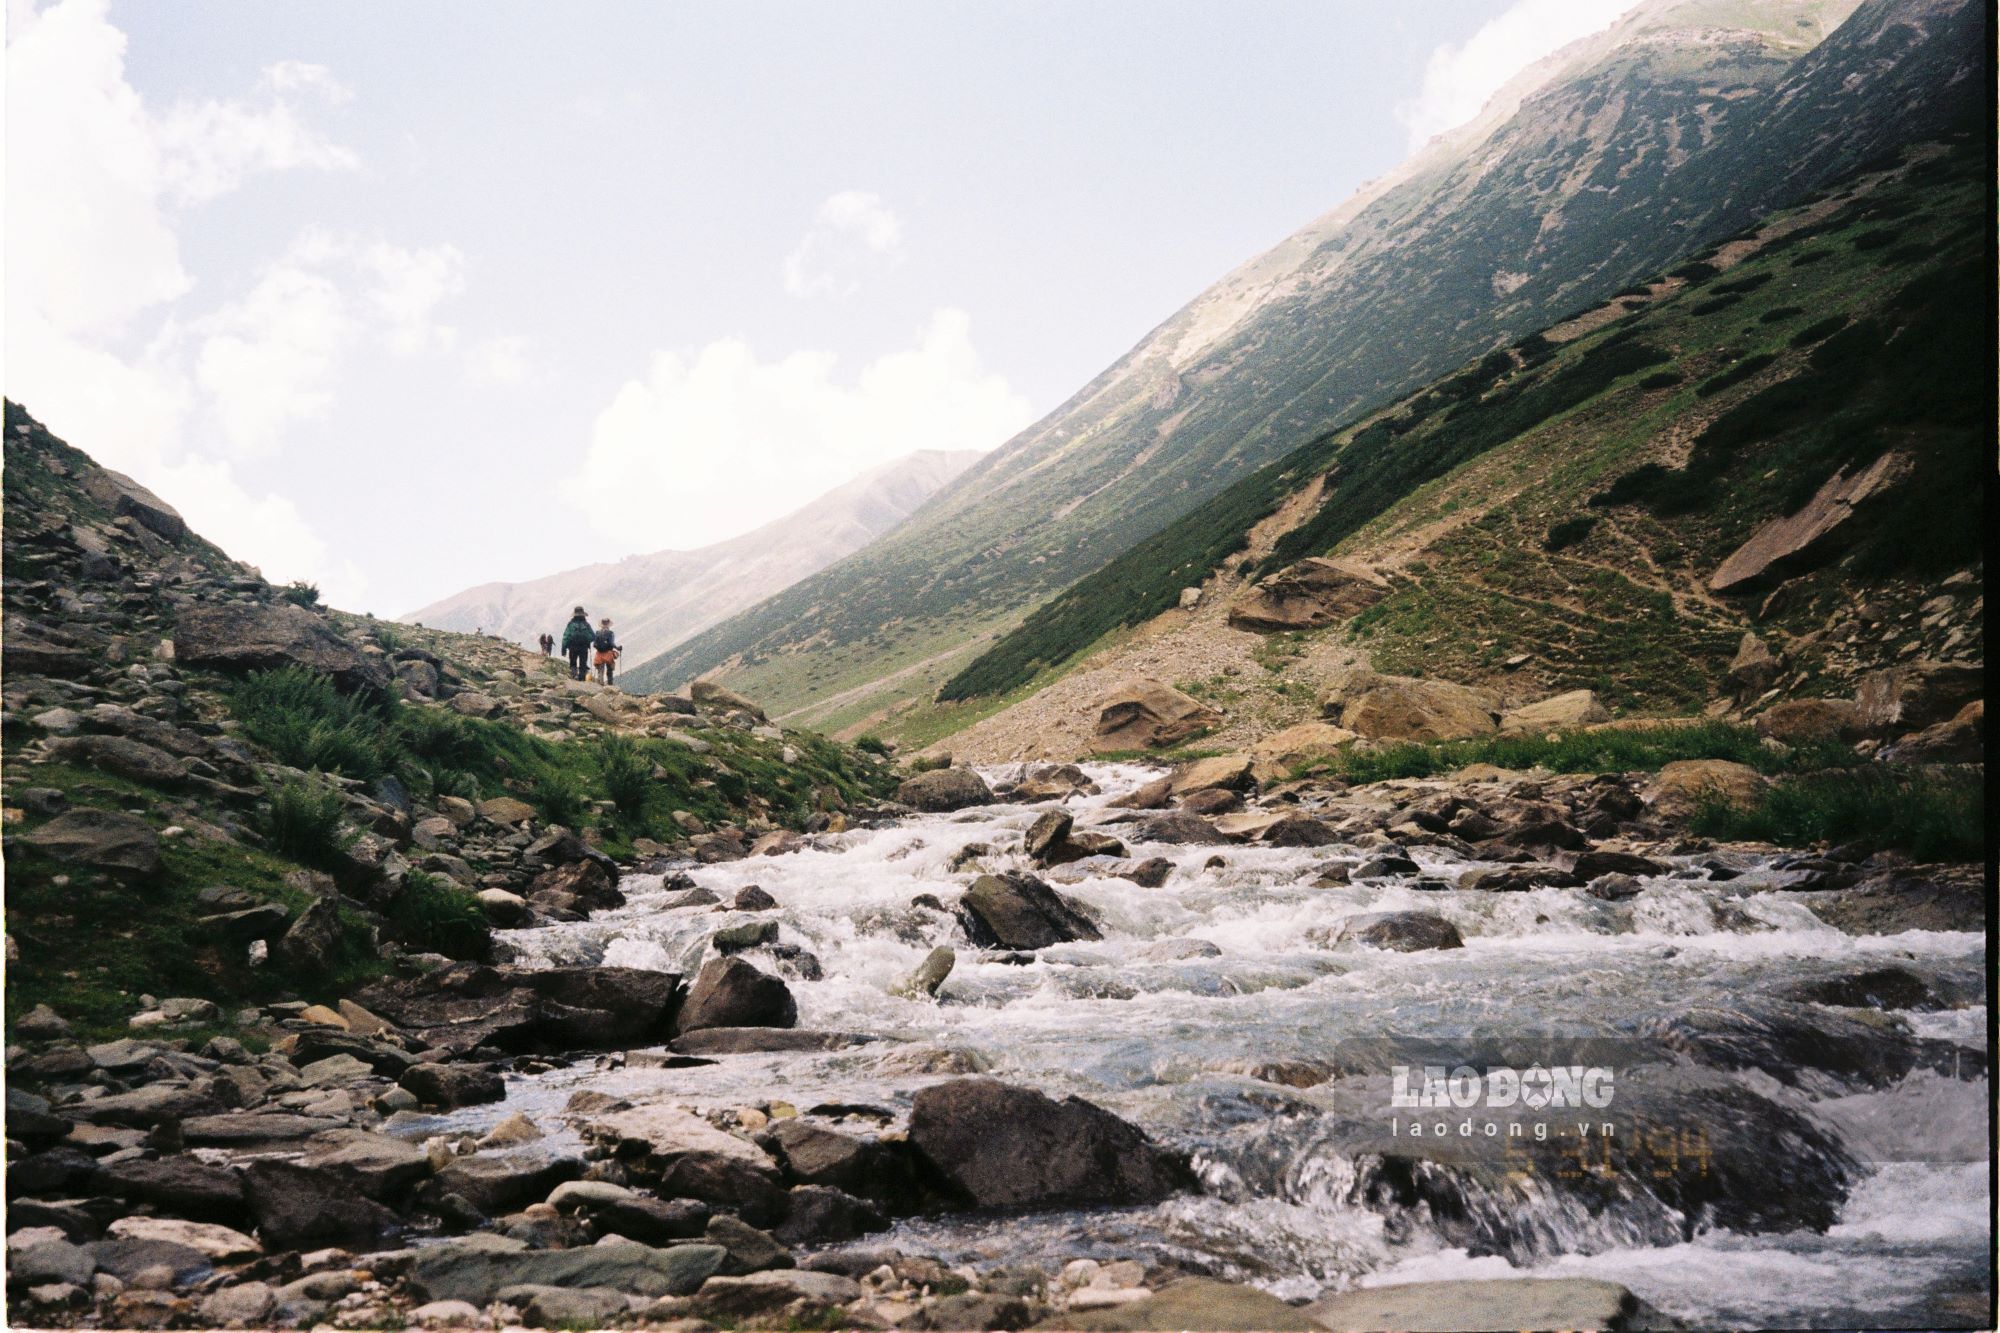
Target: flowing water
1227 968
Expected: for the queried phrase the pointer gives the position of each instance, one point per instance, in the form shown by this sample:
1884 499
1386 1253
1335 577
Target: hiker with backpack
606 644
576 641
547 643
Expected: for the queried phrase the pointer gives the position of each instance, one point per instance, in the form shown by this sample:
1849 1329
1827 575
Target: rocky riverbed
1101 1047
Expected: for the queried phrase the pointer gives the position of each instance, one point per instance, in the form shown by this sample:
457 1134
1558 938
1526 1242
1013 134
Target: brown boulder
1407 708
1144 714
717 696
944 789
1753 668
1783 542
1960 740
1560 712
1282 753
257 636
125 497
1917 695
1311 594
1679 786
730 993
1229 772
1797 721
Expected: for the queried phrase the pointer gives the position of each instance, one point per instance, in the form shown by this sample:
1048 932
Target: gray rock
453 1085
1529 1303
105 839
1021 912
298 1207
1009 1147
50 1261
945 789
377 1165
730 993
495 1183
466 1271
930 973
254 636
121 756
1204 1303
1404 932
759 1295
565 1307
749 1250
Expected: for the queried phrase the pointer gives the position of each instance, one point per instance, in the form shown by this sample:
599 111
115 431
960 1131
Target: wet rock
1011 1147
1876 988
729 992
1190 1303
298 1207
945 789
1383 867
180 1185
105 839
1148 796
1890 903
1298 831
1519 879
743 1041
651 1221
1142 714
376 1165
1614 888
453 1085
1229 772
1803 1047
750 898
930 973
1404 932
496 1183
819 1215
1603 861
798 1293
735 939
255 636
748 1249
1524 1302
1150 873
1018 911
1181 829
476 1272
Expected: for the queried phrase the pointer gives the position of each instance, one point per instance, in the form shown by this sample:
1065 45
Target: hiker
576 644
546 642
606 644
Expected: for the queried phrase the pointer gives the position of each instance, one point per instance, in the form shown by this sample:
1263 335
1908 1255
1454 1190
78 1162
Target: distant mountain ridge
1687 120
658 600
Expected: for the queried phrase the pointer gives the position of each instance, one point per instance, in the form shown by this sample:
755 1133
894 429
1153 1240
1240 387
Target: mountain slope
1687 121
1562 516
658 600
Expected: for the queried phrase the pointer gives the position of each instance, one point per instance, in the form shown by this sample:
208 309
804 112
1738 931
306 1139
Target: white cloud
712 443
98 341
854 234
1459 78
503 359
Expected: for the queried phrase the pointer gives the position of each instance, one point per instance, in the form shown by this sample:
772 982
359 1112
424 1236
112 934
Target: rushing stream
1227 969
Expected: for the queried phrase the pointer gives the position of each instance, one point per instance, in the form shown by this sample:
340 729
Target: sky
402 299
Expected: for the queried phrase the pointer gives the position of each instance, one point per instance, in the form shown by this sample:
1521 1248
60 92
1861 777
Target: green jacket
576 634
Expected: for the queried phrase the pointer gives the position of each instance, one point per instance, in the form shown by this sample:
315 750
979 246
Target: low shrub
1568 752
305 823
627 775
434 915
1932 816
302 594
1568 532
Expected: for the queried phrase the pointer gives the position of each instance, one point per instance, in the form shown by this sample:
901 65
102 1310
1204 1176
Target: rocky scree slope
220 791
1685 123
1739 487
658 600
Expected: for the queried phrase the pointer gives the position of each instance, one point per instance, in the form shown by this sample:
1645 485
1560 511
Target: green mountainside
1686 123
1572 500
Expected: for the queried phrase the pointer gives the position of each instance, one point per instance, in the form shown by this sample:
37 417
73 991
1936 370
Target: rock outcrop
1311 594
1784 543
257 636
1144 714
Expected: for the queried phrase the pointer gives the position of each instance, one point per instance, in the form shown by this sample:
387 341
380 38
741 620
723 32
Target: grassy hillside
1573 498
1629 157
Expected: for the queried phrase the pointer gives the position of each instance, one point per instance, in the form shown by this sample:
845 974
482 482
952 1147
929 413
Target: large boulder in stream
730 993
1018 911
944 789
524 1009
1006 1147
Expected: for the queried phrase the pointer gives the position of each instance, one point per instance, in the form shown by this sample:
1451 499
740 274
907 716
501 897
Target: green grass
1932 816
434 915
305 824
1601 751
